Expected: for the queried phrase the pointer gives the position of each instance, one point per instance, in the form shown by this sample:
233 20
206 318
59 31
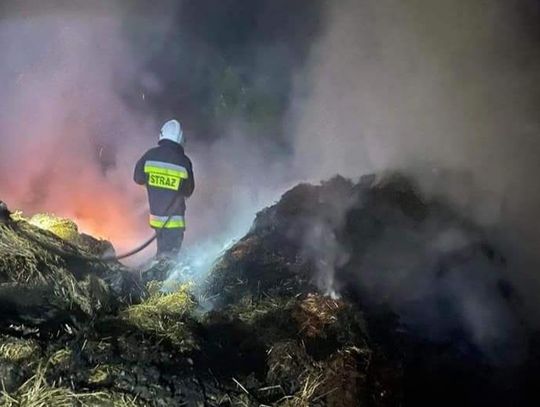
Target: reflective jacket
168 175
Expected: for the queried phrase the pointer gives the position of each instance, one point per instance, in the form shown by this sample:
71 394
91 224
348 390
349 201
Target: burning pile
47 281
274 337
429 282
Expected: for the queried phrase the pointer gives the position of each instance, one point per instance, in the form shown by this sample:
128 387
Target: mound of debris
48 282
429 282
78 331
342 294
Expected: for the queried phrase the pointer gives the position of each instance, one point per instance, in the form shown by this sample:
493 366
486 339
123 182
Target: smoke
420 85
239 175
235 176
80 89
68 139
446 90
442 285
455 84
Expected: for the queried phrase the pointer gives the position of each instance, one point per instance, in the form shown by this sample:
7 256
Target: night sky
221 59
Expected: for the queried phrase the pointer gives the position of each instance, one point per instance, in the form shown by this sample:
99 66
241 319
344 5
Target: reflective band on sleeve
160 222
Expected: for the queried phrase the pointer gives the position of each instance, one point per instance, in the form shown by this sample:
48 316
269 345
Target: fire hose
147 243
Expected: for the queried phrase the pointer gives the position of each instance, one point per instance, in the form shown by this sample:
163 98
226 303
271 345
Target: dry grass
90 294
35 250
249 310
63 228
113 399
334 382
306 396
37 392
100 375
288 364
21 260
164 314
25 261
61 358
18 350
316 312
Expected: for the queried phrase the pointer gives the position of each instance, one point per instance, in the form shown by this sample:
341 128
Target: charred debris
342 294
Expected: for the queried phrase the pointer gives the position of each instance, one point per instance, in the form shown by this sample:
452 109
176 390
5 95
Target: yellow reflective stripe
149 169
159 167
171 225
160 222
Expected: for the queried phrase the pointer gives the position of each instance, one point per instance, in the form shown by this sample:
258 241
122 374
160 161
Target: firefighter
167 173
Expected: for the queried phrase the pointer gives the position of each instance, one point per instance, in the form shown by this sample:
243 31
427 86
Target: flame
69 141
112 217
105 206
68 181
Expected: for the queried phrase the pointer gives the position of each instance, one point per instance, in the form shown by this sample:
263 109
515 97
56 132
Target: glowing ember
63 228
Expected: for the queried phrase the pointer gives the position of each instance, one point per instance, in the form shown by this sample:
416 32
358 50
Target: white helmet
172 130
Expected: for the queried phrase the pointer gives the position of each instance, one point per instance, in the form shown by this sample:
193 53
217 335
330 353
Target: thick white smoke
453 83
447 91
427 85
235 177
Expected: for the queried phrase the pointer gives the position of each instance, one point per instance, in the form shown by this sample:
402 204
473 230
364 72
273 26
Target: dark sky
236 60
220 60
233 59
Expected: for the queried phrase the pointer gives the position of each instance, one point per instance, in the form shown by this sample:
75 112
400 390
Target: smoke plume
68 140
78 108
421 85
446 90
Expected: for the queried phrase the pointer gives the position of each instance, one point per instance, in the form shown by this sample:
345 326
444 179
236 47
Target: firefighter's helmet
172 130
